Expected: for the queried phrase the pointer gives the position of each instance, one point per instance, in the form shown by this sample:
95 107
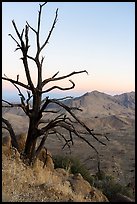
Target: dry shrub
6 145
23 183
21 138
46 157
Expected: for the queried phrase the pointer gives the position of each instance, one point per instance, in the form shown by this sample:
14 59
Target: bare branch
68 127
15 41
51 111
32 58
12 134
19 36
31 27
24 50
52 124
41 145
66 141
43 4
58 87
10 104
18 77
7 102
26 37
42 61
55 75
27 108
17 82
73 115
50 32
62 77
22 33
29 96
20 93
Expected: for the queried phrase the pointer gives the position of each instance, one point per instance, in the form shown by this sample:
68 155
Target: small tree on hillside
61 120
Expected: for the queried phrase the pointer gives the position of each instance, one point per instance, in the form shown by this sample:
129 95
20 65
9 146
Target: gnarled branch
12 134
78 120
62 77
17 82
24 49
50 32
60 88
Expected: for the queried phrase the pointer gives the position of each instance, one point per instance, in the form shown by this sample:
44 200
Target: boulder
82 187
79 185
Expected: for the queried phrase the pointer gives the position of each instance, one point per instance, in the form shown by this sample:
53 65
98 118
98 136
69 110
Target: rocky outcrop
56 184
41 184
82 187
45 156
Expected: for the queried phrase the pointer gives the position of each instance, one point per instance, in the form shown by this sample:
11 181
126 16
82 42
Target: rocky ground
22 183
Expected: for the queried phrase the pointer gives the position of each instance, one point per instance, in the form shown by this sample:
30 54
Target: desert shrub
110 187
74 165
102 181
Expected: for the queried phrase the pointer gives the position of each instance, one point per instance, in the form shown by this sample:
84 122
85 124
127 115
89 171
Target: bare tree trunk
31 137
33 128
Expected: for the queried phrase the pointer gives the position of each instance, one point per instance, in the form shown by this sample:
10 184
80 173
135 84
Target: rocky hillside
103 110
126 99
98 104
23 183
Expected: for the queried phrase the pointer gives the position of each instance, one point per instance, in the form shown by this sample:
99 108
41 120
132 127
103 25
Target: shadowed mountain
126 99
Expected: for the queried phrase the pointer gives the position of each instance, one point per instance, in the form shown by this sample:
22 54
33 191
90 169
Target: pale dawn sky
95 36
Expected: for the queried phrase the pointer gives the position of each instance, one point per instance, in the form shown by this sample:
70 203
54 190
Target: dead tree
35 92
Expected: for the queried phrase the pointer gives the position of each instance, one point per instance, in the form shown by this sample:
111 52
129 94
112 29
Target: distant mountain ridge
98 109
103 110
97 102
127 99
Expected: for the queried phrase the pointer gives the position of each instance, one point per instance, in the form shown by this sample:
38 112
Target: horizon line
13 97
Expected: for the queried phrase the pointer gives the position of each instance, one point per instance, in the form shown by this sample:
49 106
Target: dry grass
21 183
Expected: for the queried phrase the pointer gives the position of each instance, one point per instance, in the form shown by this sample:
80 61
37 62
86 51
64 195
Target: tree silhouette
60 120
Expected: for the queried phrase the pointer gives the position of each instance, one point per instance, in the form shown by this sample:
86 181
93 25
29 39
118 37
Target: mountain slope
126 99
98 109
100 104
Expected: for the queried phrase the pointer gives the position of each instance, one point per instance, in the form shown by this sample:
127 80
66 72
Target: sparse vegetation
73 165
111 188
106 183
23 183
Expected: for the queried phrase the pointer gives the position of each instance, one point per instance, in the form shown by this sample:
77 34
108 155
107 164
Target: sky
95 36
